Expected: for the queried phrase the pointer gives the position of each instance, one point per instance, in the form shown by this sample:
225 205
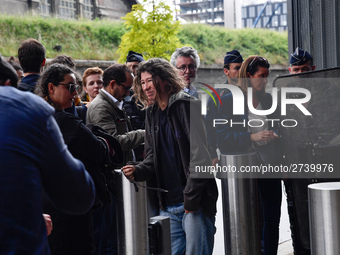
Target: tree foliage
151 31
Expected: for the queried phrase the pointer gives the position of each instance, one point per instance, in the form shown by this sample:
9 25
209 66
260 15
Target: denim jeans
192 233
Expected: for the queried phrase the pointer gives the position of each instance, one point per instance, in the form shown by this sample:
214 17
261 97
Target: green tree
152 31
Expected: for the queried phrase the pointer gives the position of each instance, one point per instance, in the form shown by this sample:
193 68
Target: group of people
105 127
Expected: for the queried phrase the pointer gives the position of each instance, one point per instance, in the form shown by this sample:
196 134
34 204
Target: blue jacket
212 112
28 82
33 158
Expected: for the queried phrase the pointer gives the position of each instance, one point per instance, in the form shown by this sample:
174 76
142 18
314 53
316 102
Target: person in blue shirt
232 64
32 57
34 159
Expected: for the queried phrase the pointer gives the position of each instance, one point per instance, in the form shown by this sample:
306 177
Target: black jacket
73 234
183 111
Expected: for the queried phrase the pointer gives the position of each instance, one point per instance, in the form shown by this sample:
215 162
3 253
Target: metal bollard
159 236
240 213
324 220
132 218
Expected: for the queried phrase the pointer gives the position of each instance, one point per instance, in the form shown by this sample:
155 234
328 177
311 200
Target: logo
204 111
299 101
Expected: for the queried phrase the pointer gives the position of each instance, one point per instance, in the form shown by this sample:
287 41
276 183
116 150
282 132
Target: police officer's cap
134 57
299 57
233 56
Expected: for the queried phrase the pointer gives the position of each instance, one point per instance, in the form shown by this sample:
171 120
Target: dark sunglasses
257 59
72 87
126 88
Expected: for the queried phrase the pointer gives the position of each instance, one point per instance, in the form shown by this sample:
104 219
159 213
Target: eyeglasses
257 59
72 87
127 89
183 68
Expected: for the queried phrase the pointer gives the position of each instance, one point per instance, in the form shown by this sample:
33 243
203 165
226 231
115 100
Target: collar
119 104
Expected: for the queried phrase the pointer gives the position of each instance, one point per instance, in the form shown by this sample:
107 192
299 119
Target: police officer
232 64
300 61
134 111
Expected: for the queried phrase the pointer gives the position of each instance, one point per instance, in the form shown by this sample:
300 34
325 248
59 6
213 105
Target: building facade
270 15
236 13
209 12
69 9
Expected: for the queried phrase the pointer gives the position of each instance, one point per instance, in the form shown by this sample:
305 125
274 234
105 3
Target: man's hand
128 170
186 211
266 135
48 223
214 161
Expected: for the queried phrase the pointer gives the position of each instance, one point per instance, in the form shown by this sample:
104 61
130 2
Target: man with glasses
107 111
187 61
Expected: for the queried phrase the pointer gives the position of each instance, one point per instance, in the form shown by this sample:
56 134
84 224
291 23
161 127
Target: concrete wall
212 74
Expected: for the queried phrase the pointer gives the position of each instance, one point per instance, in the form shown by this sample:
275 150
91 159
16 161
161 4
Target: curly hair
53 74
65 60
159 69
243 81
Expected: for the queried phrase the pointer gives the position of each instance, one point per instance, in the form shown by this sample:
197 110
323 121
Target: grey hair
185 52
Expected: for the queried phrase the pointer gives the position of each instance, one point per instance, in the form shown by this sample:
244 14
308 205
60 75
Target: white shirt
120 106
116 102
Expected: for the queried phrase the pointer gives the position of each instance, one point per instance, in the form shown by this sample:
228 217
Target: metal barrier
240 212
132 218
324 221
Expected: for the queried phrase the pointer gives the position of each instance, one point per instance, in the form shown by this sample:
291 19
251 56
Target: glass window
88 9
67 9
252 11
278 9
283 20
265 21
284 8
45 7
275 22
250 22
244 12
259 24
269 9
